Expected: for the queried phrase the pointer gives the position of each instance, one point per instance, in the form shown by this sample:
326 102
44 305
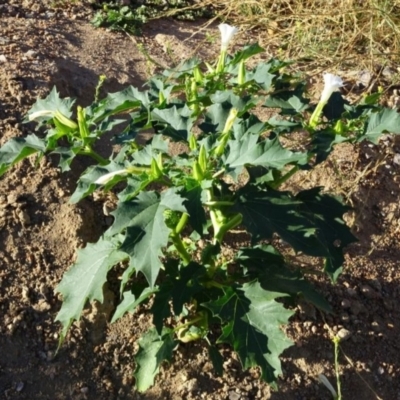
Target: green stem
218 203
186 324
316 114
336 341
232 223
182 223
91 153
180 247
285 177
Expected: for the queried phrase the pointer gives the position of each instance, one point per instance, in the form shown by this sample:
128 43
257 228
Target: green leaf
323 143
15 150
387 120
194 205
86 185
261 75
130 302
85 279
267 316
231 100
249 317
268 266
325 212
290 102
250 150
247 52
173 122
309 222
216 359
53 102
153 350
117 103
147 233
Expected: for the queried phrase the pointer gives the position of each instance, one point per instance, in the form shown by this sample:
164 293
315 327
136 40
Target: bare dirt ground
39 232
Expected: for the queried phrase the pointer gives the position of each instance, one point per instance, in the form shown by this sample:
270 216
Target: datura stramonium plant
332 83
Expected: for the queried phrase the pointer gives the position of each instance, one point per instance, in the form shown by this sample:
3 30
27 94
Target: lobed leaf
15 150
153 350
85 279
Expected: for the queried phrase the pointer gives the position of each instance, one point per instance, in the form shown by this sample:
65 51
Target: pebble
344 334
345 303
20 386
31 54
85 390
368 292
357 308
233 395
3 58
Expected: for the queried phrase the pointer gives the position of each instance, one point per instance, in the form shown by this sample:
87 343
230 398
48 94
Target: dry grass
319 33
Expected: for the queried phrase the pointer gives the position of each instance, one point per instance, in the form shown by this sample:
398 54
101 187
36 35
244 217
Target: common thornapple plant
179 213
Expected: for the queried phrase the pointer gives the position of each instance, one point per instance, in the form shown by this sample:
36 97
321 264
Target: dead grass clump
345 33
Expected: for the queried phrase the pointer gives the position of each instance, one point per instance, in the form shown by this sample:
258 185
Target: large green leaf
117 103
267 316
250 150
325 212
248 317
310 222
387 120
147 233
85 279
173 122
180 289
153 350
268 266
15 150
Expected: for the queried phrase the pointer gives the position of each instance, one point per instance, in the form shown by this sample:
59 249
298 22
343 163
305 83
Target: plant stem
230 224
182 223
218 203
285 177
336 341
91 153
180 247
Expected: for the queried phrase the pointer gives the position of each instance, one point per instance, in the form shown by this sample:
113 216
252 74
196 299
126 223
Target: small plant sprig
229 177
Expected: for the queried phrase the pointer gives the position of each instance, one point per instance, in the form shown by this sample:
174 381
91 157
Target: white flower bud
107 177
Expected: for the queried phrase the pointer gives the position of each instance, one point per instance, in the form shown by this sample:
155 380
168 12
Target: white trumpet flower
332 83
107 177
227 33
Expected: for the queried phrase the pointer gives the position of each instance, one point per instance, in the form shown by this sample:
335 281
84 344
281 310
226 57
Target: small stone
357 308
31 54
19 387
351 292
233 395
381 370
344 334
24 217
376 326
192 385
42 306
12 199
368 292
3 58
345 303
85 390
314 329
